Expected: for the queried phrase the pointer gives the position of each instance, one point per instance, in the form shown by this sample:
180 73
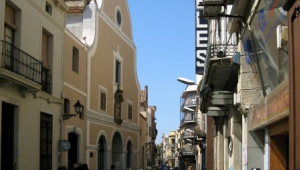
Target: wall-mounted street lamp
185 81
78 109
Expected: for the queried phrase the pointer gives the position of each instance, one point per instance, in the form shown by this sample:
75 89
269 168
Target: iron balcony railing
46 81
188 118
218 50
19 62
172 145
188 101
186 134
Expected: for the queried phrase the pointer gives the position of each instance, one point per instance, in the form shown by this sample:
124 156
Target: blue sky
164 35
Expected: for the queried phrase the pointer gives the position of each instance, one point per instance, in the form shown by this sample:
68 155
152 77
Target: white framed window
75 60
48 8
118 69
102 100
118 72
118 17
129 110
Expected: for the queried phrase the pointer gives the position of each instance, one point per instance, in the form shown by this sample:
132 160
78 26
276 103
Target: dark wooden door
294 80
7 140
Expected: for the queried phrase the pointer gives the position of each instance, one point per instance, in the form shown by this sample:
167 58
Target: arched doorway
73 153
129 154
102 165
117 151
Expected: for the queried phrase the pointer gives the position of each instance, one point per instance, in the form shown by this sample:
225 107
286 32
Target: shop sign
273 107
64 145
201 38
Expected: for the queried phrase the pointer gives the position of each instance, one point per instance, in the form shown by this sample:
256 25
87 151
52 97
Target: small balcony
172 145
218 50
223 65
46 81
188 102
187 150
186 135
21 68
186 118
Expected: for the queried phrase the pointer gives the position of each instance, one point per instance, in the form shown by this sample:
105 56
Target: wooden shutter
9 15
45 57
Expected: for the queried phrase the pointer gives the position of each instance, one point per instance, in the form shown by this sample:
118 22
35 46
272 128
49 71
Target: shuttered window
9 15
45 50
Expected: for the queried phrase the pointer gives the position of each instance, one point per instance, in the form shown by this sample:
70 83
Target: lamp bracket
67 116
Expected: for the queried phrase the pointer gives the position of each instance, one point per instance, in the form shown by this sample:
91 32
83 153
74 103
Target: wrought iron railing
19 62
186 134
188 117
46 81
218 50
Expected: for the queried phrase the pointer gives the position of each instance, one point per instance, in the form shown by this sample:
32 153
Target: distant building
187 126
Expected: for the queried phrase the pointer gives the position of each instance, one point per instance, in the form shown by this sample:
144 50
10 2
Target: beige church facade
112 96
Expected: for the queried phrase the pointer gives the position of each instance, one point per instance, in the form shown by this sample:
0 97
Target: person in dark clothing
84 167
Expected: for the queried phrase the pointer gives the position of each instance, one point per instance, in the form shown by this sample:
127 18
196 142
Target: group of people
80 167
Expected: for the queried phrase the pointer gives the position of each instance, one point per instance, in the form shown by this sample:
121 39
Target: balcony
188 118
187 150
19 67
186 134
222 64
46 81
216 51
189 101
172 145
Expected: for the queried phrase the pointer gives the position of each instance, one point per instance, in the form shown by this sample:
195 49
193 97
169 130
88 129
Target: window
119 17
48 8
46 141
103 101
9 32
118 72
269 24
75 60
67 106
129 111
47 43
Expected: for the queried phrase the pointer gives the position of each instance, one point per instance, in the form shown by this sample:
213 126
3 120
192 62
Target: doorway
279 145
73 153
117 151
102 154
8 137
129 154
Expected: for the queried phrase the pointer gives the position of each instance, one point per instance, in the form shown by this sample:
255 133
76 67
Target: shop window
265 46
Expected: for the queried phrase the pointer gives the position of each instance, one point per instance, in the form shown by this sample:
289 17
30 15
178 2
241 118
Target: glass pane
269 28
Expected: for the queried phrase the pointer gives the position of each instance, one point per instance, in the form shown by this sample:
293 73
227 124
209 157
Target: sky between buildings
164 36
